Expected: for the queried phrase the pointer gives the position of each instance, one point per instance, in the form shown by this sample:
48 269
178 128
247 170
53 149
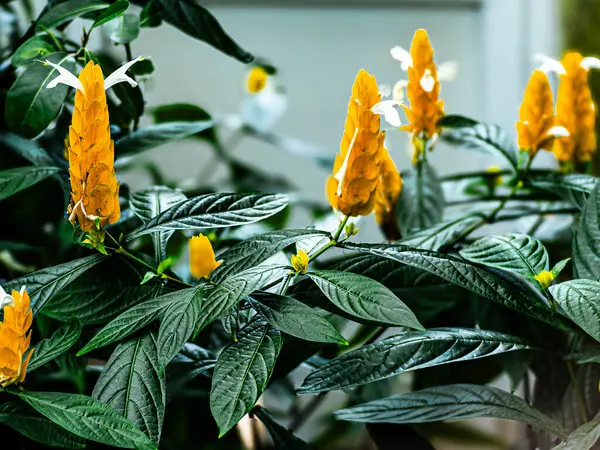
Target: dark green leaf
580 300
44 283
214 211
132 385
127 29
37 47
185 112
575 188
27 421
196 21
189 363
26 148
258 249
440 235
518 253
365 298
408 351
583 438
115 10
150 17
456 121
15 180
87 418
242 372
486 138
30 106
586 240
421 203
451 402
282 437
296 319
148 204
67 11
61 341
160 134
142 68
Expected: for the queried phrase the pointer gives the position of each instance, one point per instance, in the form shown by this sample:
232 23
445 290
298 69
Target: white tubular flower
342 172
387 108
558 131
590 62
403 56
447 71
6 299
64 77
427 81
548 65
119 75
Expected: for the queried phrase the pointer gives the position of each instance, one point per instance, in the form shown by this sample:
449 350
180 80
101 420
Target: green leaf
506 288
185 112
179 323
214 211
518 253
365 298
242 372
148 204
15 180
586 240
583 438
37 47
115 10
87 418
44 283
485 138
30 106
156 135
408 351
456 121
132 385
127 29
421 202
27 421
440 235
189 363
574 188
282 437
296 319
580 300
258 249
132 320
150 17
450 402
142 68
61 341
67 11
559 266
196 21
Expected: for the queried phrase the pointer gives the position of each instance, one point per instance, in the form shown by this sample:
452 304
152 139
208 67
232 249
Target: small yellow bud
300 261
545 278
257 80
497 180
202 257
351 229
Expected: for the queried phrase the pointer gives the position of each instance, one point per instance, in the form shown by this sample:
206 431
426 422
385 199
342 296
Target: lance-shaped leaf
48 349
69 10
15 180
258 249
214 211
508 289
450 402
296 319
365 298
37 47
282 437
440 235
189 363
44 283
518 253
27 421
115 10
133 320
575 188
582 438
132 385
580 300
178 323
242 372
127 29
456 121
148 204
87 418
586 240
408 351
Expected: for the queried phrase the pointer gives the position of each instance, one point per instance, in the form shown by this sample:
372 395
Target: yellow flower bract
257 80
202 257
545 278
390 186
300 261
536 115
15 339
94 186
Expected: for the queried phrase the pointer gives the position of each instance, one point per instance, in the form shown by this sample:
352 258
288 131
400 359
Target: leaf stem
307 412
577 389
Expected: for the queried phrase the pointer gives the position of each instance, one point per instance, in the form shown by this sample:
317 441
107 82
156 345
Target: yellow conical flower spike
352 187
14 338
202 257
423 89
300 261
388 191
576 112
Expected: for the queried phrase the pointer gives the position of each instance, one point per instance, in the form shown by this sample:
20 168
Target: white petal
590 62
427 82
342 172
447 71
385 90
558 131
64 77
5 299
22 290
119 76
398 91
402 55
548 64
389 111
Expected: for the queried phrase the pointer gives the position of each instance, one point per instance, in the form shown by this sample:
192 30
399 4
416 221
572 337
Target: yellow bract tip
545 278
300 261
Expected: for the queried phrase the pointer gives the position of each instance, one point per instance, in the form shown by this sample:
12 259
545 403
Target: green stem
577 389
420 190
54 39
128 53
286 284
307 411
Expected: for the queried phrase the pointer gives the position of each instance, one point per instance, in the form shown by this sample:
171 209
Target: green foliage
15 180
61 341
